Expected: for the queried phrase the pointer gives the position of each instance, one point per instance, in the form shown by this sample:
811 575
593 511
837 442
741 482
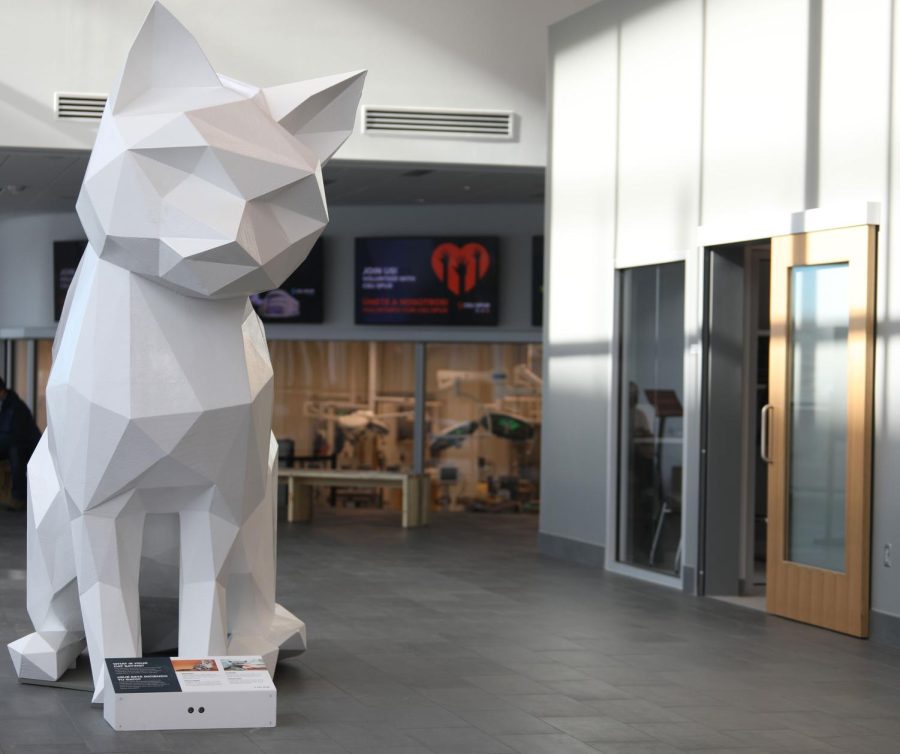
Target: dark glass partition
651 401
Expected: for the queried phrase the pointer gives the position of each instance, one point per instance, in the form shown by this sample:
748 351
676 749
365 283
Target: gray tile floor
460 638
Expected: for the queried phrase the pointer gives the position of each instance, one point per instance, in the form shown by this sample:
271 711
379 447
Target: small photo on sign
250 663
184 666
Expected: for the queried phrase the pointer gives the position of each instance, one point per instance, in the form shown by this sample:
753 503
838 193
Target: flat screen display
537 281
66 256
300 297
427 281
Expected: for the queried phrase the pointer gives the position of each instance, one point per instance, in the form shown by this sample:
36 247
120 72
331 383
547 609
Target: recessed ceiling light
467 188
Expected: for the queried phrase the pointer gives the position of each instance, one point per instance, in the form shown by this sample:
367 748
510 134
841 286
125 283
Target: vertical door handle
764 433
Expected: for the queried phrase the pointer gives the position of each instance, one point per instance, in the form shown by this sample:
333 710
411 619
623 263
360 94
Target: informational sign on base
177 693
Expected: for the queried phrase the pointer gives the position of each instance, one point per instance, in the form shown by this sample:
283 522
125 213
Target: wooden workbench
301 481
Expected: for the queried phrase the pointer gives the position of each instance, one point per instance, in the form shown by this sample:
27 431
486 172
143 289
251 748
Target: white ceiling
406 183
48 181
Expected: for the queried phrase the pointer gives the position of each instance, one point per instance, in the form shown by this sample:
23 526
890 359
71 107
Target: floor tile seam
805 725
647 737
350 748
705 731
73 721
451 719
496 733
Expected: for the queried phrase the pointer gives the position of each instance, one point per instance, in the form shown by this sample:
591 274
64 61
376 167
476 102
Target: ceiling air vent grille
69 106
491 124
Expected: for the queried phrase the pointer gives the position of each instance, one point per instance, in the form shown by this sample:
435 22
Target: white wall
755 107
421 53
886 513
26 267
724 113
660 62
578 305
854 103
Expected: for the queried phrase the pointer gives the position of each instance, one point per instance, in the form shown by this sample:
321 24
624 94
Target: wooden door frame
839 601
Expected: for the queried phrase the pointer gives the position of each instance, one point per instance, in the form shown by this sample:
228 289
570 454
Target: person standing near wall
19 435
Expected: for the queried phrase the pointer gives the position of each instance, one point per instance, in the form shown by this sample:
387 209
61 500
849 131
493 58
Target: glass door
817 427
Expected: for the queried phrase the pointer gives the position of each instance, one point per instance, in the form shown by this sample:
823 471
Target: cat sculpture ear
320 112
164 56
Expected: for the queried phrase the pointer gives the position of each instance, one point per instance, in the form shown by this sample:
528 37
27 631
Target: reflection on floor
459 638
755 602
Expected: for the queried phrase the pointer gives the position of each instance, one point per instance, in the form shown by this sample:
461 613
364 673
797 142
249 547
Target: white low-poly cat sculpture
158 452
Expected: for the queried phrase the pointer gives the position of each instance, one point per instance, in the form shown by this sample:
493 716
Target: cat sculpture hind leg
200 191
52 591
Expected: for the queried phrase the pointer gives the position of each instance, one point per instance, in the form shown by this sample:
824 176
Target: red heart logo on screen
460 268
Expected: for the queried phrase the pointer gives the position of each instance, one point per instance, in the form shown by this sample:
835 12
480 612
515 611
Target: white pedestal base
161 693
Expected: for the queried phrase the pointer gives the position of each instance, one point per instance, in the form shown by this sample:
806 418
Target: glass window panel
651 416
483 415
818 414
351 400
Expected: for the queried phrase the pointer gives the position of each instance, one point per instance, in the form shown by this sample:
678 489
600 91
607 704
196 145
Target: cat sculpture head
210 186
